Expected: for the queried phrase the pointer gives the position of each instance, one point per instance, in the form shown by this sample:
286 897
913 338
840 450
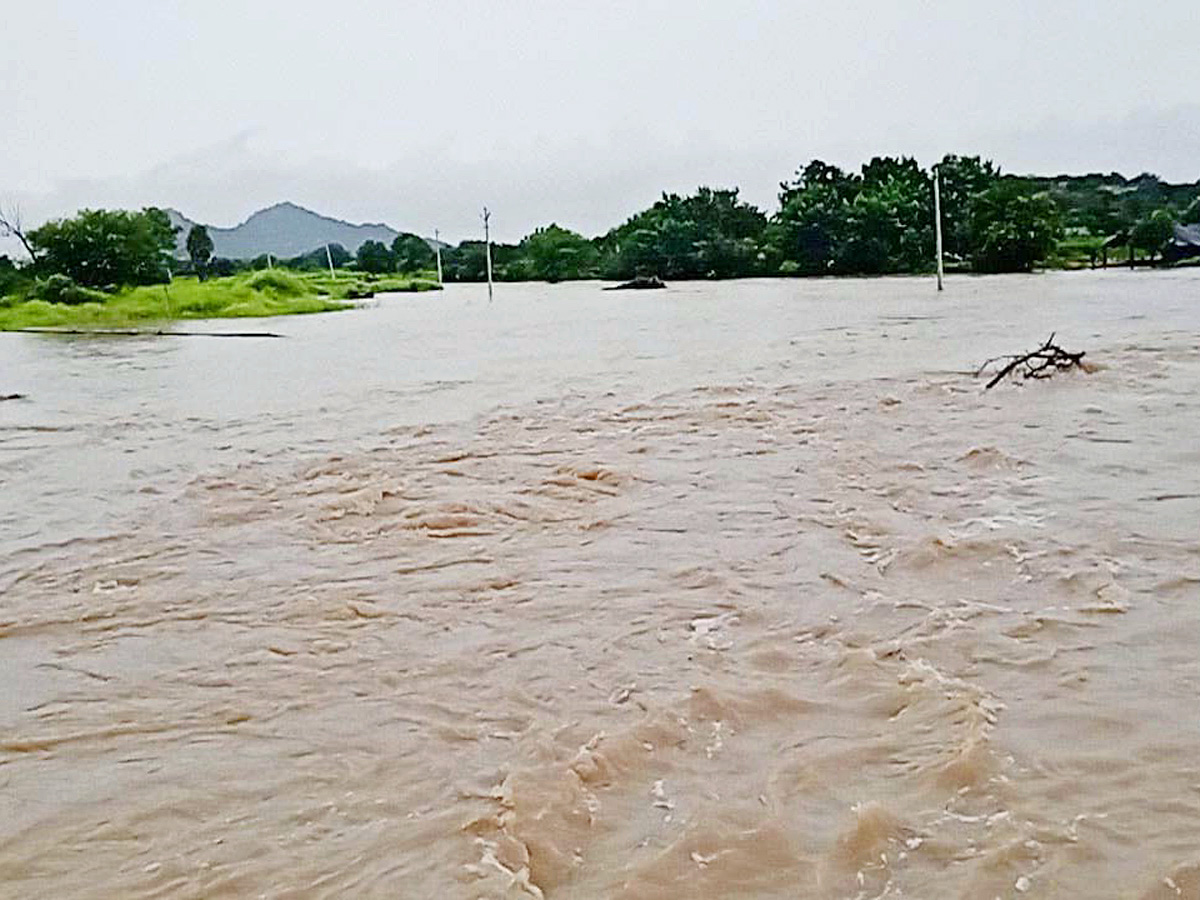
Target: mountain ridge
284 230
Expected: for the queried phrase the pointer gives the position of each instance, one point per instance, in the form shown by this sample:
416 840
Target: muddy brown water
735 590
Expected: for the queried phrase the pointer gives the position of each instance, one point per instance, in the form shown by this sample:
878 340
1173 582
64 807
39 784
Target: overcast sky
417 113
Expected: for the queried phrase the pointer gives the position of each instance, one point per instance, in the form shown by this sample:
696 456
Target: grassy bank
251 294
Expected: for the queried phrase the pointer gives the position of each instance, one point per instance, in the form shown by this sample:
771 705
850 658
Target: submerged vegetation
184 298
263 293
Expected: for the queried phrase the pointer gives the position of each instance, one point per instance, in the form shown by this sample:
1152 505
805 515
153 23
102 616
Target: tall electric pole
487 240
937 223
437 248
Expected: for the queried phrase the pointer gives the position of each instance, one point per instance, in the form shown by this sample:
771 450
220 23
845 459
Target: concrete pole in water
437 248
487 240
937 216
329 259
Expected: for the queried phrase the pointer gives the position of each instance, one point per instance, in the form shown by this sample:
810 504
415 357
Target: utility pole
437 248
329 259
937 215
487 240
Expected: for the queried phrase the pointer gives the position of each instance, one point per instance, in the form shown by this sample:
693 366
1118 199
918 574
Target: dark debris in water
1040 363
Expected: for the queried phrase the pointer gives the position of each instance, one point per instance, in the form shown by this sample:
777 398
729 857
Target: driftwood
1041 363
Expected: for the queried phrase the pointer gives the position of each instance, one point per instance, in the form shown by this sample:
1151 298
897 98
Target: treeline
878 220
874 221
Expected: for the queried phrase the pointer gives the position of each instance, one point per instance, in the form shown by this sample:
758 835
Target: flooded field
733 590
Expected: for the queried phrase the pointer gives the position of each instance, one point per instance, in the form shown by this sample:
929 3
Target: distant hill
283 230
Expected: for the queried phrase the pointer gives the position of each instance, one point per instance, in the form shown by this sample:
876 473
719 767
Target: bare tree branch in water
1041 363
11 226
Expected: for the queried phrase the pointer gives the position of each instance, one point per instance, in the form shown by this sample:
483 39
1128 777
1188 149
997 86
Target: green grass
272 293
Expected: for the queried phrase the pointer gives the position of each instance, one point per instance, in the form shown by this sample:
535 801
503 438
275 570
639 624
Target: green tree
891 219
1012 228
412 253
1153 232
879 221
558 254
710 234
870 229
375 257
466 262
962 179
200 249
807 234
101 248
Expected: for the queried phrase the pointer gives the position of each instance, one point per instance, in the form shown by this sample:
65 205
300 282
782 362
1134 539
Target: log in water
749 592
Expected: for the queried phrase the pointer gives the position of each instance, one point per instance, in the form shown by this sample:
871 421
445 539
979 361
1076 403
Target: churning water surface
743 589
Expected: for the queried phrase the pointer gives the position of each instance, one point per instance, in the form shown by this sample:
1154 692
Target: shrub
278 283
62 289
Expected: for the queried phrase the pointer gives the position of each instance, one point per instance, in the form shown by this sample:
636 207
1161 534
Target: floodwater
734 590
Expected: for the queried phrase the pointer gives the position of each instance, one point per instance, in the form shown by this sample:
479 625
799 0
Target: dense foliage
106 248
555 254
878 220
375 257
1150 233
411 253
1011 229
711 234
